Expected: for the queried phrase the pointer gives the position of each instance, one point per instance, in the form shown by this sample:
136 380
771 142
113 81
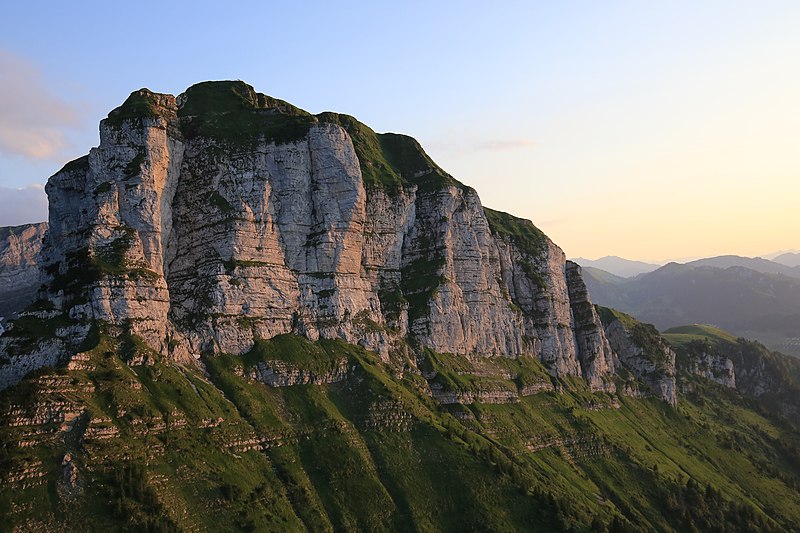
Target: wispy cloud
32 118
22 206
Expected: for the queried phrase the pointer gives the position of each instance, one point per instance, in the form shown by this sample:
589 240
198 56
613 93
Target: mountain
738 363
20 248
624 268
758 264
789 259
252 318
749 303
204 222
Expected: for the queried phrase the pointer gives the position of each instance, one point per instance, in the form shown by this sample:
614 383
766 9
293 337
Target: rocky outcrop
19 356
715 367
204 222
594 351
749 367
20 250
643 352
283 374
449 397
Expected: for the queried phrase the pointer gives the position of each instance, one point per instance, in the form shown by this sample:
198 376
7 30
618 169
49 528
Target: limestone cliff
596 356
204 222
642 352
747 366
714 366
20 249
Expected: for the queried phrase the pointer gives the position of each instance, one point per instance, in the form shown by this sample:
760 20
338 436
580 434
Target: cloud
22 206
32 119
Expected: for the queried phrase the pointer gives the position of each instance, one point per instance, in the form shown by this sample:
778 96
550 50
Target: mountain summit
252 318
207 221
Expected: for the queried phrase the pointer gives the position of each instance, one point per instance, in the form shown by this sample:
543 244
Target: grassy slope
374 453
682 335
754 365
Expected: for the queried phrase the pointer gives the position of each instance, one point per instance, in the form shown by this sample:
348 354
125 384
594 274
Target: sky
650 130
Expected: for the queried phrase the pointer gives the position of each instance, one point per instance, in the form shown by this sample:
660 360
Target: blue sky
651 130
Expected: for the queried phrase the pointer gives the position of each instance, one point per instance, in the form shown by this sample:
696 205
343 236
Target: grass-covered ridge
643 335
391 161
234 113
682 335
166 447
80 164
140 104
527 237
770 376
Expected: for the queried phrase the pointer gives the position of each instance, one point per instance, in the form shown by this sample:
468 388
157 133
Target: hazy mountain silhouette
789 259
618 266
747 302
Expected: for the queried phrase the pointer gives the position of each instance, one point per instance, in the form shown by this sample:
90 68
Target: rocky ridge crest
205 222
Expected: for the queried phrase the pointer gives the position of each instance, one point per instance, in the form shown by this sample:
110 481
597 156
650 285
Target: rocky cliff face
747 366
596 355
715 367
643 352
204 222
20 249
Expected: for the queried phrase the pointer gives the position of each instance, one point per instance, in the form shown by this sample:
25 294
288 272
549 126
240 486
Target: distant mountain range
788 259
765 266
787 263
244 317
618 266
760 300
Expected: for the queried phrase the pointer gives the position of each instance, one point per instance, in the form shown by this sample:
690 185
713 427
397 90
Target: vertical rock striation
20 250
594 351
204 222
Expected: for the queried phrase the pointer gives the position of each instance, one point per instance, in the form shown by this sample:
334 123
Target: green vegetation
754 365
298 351
233 113
140 104
136 502
521 232
608 315
76 165
526 237
220 202
213 450
391 161
110 259
405 155
233 263
392 301
375 168
83 268
102 188
645 336
420 279
135 166
682 335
